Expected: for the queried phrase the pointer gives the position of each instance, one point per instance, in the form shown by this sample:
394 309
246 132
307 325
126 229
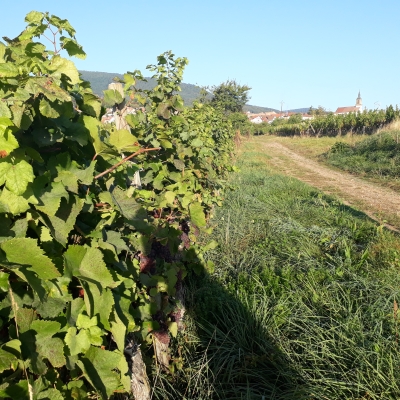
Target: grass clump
377 156
302 304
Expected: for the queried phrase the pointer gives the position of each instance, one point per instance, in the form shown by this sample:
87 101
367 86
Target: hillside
258 109
100 80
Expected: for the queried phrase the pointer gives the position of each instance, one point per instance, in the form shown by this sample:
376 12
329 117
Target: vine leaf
111 97
50 199
77 342
61 226
32 256
8 355
18 176
11 203
60 65
118 330
87 264
51 393
123 140
8 70
197 215
98 301
47 346
98 367
47 110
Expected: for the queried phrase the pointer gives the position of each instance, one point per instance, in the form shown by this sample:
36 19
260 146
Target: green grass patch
377 156
301 304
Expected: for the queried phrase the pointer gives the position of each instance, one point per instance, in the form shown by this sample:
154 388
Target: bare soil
379 203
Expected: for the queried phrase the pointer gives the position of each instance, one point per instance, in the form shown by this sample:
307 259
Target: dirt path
377 202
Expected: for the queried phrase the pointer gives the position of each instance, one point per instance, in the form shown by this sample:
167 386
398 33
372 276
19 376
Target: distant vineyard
330 124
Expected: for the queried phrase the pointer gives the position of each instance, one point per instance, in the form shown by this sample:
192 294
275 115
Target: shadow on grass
241 357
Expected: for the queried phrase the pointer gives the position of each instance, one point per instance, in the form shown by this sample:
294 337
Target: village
270 116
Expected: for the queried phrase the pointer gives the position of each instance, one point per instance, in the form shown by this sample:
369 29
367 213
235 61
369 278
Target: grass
376 157
312 147
301 304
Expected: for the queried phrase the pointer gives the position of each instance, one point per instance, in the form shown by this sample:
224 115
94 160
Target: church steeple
359 101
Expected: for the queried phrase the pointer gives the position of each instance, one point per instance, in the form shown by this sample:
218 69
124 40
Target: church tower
359 101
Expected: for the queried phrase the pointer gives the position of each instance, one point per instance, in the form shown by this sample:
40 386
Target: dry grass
393 126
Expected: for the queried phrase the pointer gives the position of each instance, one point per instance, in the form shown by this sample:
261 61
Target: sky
300 52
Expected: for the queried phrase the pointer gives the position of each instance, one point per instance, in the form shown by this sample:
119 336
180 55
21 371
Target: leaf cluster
89 255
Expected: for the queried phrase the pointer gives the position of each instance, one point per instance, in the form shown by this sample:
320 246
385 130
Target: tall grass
376 156
301 305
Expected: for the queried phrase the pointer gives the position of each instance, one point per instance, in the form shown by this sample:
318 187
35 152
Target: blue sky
304 52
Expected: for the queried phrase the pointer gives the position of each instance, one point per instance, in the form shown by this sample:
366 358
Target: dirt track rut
377 202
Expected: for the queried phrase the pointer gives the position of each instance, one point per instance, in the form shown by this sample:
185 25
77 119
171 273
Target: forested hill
258 109
100 81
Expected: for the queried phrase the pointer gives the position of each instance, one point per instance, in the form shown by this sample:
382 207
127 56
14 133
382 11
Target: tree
230 96
295 119
317 111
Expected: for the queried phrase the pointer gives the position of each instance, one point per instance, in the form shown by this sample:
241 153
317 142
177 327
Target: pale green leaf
94 126
4 281
91 104
18 177
173 329
85 322
99 301
2 53
77 343
111 97
123 140
4 124
96 336
47 110
86 175
10 202
69 180
197 214
34 17
5 110
59 65
93 268
4 167
170 197
8 70
118 330
72 47
197 142
8 142
45 328
72 259
129 81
